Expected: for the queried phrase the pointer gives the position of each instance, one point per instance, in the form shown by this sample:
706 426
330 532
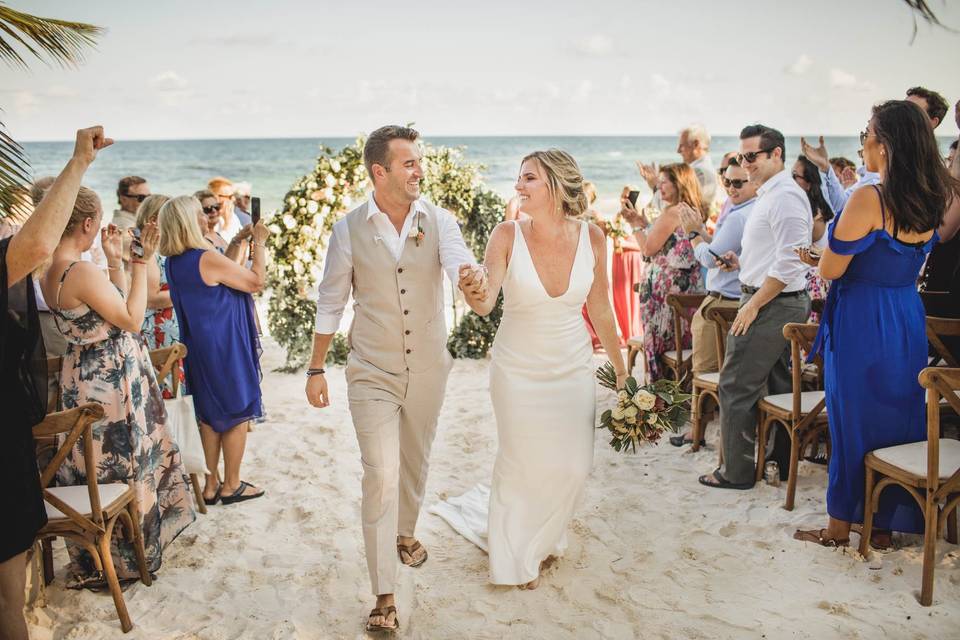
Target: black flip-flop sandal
383 613
215 499
719 482
238 495
681 440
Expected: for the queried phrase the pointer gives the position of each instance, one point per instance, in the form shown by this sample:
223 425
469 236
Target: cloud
840 79
596 45
25 102
800 66
168 81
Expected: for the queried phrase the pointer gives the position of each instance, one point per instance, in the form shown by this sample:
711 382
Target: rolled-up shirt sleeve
792 226
453 250
334 289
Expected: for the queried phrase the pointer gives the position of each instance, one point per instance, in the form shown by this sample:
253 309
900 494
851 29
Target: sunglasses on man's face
736 184
214 208
751 156
140 197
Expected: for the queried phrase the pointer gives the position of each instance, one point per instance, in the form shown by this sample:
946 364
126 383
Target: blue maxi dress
874 346
217 326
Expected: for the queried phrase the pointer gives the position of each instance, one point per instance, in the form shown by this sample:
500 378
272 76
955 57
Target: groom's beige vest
398 321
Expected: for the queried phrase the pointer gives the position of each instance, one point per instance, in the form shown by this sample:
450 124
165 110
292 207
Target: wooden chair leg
867 513
631 359
929 549
133 515
792 476
198 493
763 434
695 418
110 573
952 522
48 571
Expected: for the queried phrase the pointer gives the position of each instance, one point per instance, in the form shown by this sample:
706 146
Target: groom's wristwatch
315 372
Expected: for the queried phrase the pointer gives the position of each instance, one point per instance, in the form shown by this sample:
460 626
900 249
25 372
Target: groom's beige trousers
395 415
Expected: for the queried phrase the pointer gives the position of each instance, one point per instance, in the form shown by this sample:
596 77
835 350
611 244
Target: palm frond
14 178
921 9
62 41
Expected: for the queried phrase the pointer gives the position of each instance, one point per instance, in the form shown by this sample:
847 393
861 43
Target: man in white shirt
773 285
391 252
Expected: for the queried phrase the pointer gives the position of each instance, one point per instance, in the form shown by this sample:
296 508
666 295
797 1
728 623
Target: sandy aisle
652 553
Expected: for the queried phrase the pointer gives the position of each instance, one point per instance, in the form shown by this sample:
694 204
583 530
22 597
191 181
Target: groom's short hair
377 148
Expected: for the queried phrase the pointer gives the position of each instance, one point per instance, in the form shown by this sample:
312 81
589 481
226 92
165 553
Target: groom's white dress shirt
334 289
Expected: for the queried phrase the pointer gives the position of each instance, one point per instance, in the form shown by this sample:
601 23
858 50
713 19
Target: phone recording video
255 210
632 196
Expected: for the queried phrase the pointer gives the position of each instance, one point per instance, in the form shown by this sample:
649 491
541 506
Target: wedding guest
845 170
773 293
230 223
160 328
241 202
874 318
951 154
209 219
835 193
131 191
22 376
693 145
932 103
712 222
627 271
106 363
211 297
807 177
671 267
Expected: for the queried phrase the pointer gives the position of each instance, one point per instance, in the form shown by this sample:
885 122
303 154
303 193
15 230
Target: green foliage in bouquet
338 351
297 242
642 413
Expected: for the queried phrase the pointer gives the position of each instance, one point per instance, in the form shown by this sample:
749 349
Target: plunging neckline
573 264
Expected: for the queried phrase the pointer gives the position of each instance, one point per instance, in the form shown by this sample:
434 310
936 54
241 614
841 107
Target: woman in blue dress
212 298
872 335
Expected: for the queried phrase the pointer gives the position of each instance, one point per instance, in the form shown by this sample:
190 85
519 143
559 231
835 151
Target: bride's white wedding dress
544 398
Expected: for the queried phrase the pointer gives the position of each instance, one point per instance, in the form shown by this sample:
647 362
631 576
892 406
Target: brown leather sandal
382 628
817 537
410 550
877 537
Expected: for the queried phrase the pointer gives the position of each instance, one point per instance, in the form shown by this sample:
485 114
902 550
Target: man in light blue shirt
833 190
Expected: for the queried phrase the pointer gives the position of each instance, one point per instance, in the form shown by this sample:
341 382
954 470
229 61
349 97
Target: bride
541 375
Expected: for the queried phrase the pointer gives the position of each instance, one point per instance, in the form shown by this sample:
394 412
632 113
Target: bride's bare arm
495 260
599 308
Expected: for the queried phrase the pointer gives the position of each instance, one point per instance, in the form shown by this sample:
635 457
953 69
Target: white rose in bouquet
631 411
644 399
617 413
623 396
652 418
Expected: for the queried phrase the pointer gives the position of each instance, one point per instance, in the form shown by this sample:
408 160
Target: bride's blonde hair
564 180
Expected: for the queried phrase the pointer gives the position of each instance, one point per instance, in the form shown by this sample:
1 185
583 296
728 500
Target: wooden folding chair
87 516
801 413
679 362
937 330
168 362
928 470
706 386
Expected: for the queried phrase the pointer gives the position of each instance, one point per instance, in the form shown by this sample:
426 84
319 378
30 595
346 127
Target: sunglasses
214 208
140 197
751 156
736 184
864 135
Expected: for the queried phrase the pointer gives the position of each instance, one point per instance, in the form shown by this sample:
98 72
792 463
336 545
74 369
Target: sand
652 553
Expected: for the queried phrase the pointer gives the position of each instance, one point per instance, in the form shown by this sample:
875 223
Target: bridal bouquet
642 413
618 231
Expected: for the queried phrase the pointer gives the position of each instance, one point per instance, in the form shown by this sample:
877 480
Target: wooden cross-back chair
937 330
168 362
801 413
87 514
928 470
679 362
706 386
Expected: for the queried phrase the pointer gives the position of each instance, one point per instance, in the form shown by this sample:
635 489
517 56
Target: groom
392 252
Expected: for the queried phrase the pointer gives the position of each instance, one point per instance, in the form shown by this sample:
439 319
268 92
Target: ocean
176 167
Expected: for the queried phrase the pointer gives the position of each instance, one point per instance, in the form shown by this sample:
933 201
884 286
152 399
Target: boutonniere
416 231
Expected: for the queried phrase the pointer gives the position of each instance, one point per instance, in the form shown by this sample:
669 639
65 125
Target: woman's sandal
817 537
410 550
383 613
876 536
215 499
239 496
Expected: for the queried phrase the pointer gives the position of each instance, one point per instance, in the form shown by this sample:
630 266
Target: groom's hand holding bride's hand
473 281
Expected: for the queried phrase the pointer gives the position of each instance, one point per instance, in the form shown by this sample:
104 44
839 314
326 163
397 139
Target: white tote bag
182 422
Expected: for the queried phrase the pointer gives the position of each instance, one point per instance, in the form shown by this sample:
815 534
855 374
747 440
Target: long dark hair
818 203
917 187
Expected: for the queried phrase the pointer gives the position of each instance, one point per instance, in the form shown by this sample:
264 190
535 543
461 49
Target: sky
214 69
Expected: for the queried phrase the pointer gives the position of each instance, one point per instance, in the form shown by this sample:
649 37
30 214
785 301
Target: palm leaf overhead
47 39
921 9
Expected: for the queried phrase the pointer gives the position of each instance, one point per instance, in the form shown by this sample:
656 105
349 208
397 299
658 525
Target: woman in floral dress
671 267
106 363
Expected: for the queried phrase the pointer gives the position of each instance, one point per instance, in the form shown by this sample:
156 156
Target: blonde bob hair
179 229
149 209
564 180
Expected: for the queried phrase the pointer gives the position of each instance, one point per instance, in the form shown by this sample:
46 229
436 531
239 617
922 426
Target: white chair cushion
673 354
808 400
78 498
912 457
713 378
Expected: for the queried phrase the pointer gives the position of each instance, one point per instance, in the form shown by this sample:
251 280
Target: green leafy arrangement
642 413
